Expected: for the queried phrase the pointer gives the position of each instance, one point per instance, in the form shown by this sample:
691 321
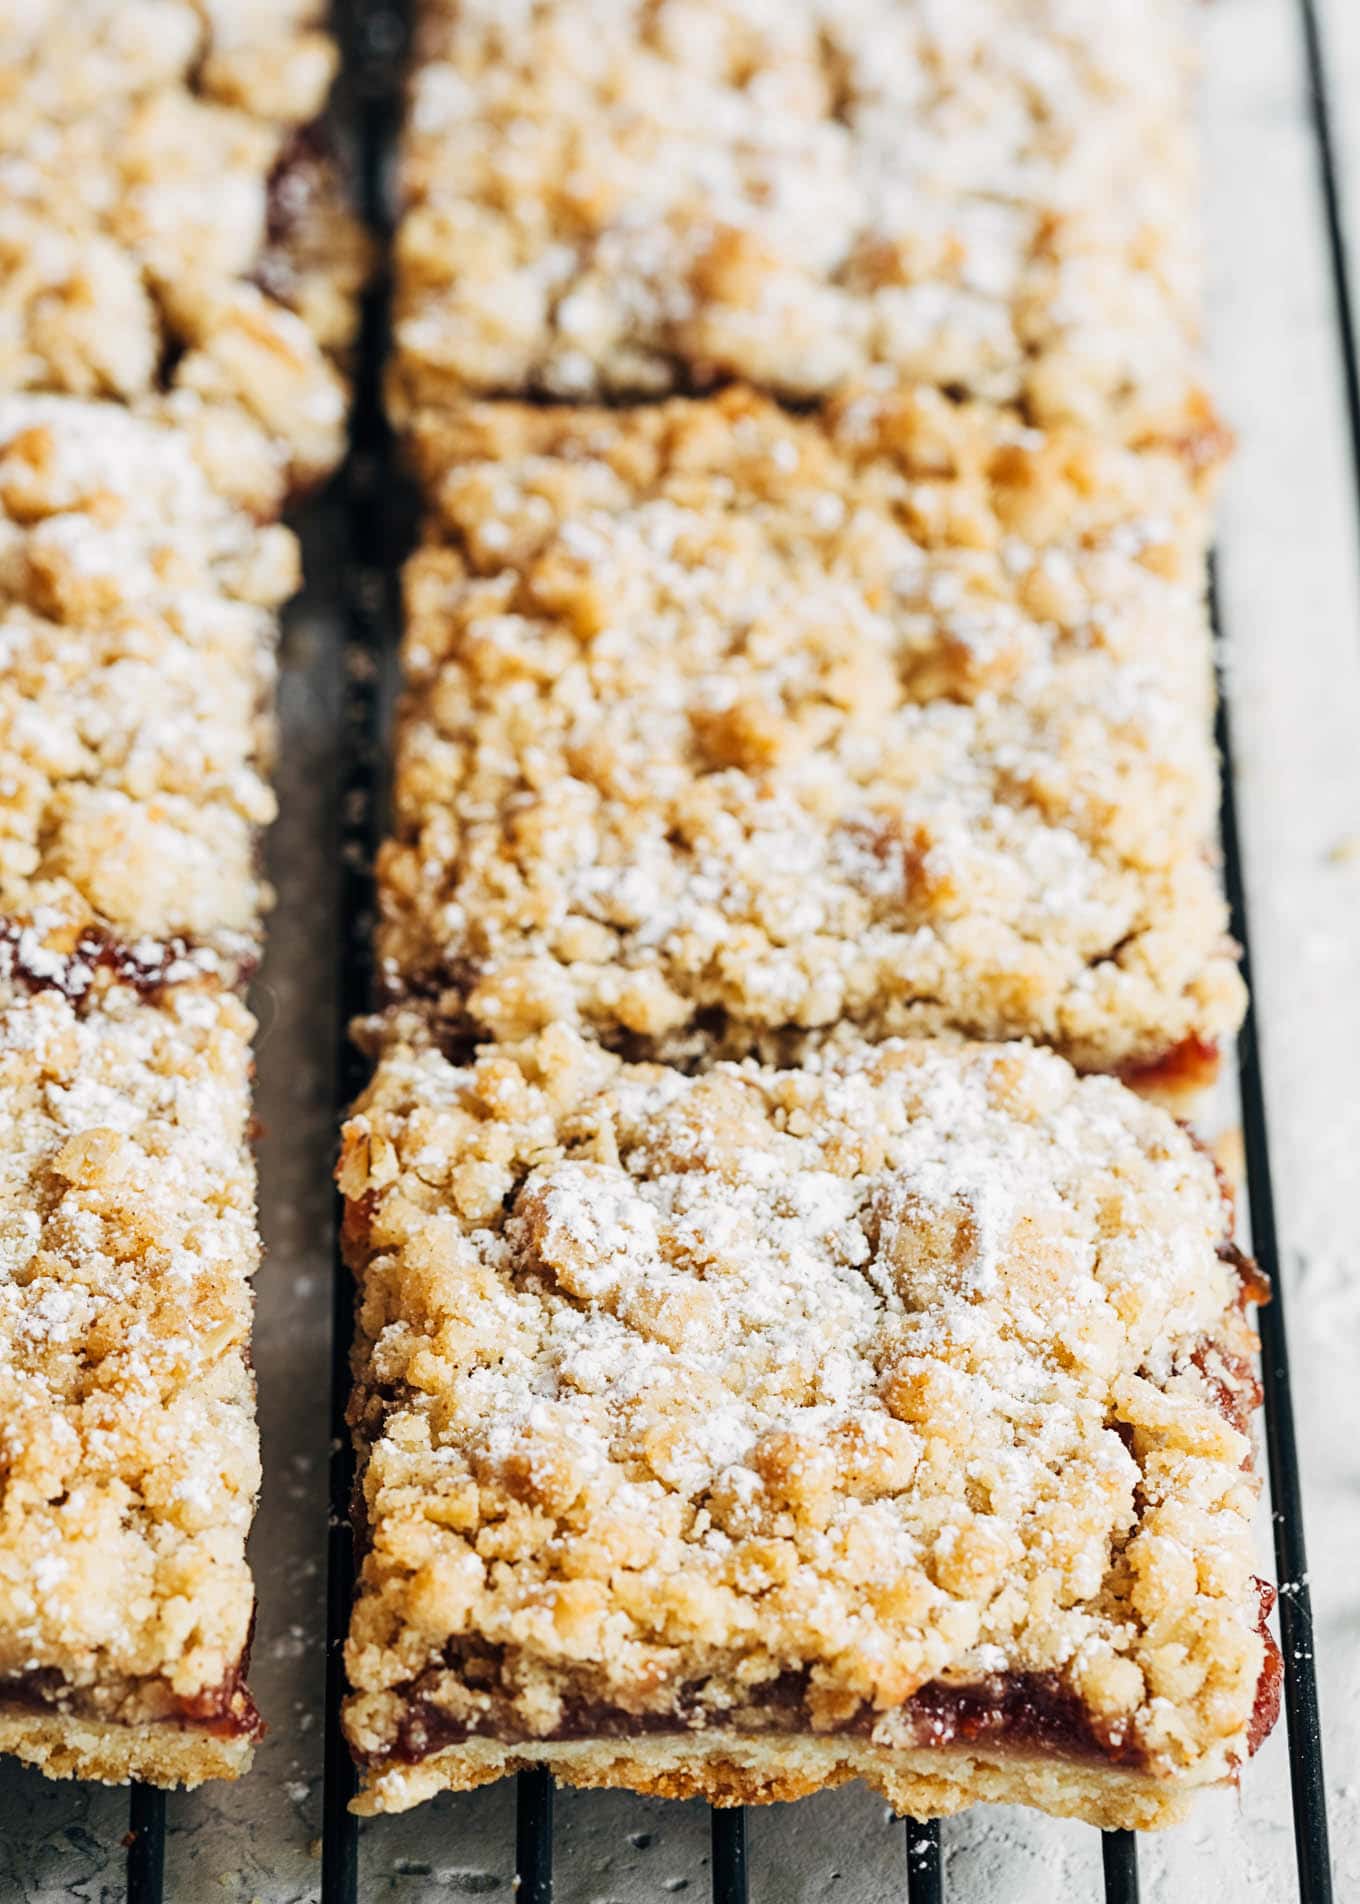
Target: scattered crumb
1231 1157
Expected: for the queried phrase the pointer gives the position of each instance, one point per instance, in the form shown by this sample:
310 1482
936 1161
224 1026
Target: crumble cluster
901 1369
723 726
168 222
127 1433
648 196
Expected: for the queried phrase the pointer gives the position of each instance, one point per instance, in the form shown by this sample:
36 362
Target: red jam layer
1190 1066
225 1711
149 966
1032 1712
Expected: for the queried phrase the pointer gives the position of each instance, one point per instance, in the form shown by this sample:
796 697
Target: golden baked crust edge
61 1745
930 1782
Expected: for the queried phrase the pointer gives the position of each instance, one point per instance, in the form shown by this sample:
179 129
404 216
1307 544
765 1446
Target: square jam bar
136 679
633 197
168 220
743 1433
725 728
128 1451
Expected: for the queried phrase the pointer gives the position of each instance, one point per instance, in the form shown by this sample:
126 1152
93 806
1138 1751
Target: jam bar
137 630
130 1462
743 1433
640 197
162 227
726 729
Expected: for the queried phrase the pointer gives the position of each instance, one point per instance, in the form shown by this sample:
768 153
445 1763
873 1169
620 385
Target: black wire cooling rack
373 36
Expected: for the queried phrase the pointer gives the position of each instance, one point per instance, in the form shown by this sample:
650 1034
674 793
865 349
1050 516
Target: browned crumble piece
725 729
163 229
743 1433
647 196
128 1451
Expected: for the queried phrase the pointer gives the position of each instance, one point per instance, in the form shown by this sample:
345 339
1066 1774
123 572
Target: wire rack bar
339 1868
534 1837
1119 1861
925 1875
1296 1604
372 38
1291 1561
146 1845
727 1839
1329 180
340 1843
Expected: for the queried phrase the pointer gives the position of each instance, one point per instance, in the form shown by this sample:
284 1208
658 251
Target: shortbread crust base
61 1745
929 1782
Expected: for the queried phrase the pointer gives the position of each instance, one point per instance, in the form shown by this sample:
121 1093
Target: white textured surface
1291 584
